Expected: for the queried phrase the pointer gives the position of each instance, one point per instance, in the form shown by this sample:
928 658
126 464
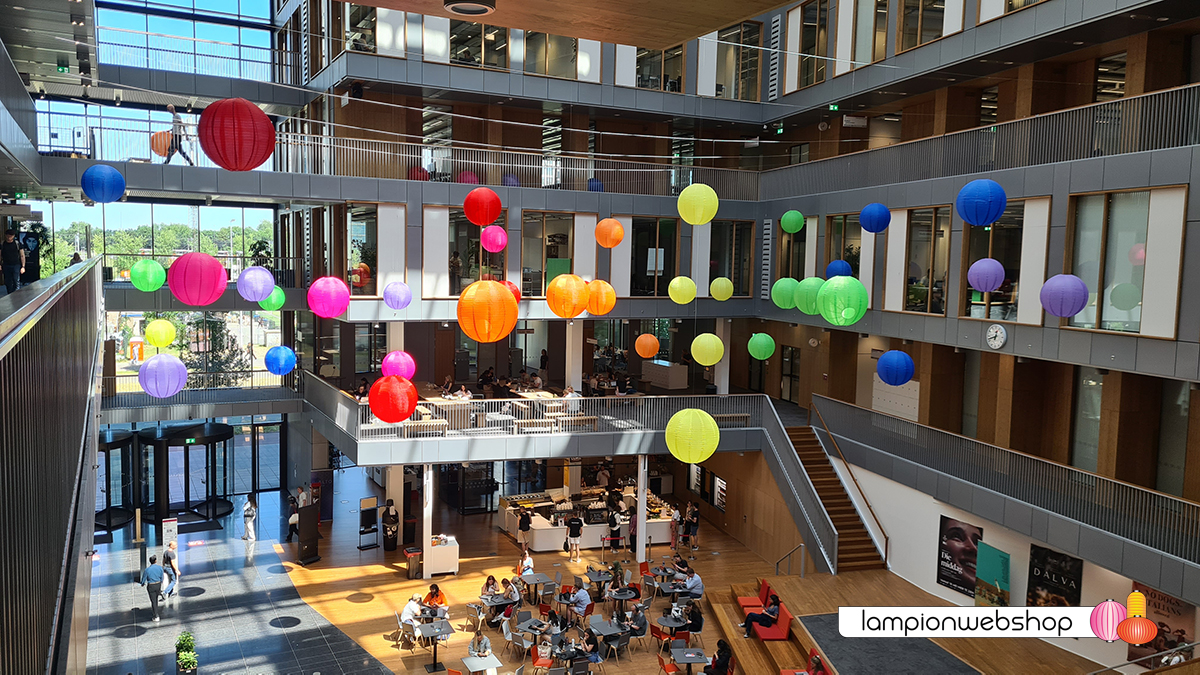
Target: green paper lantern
273 301
806 295
842 301
761 346
783 293
147 275
792 221
1125 296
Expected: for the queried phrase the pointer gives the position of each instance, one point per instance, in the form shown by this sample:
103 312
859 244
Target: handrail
850 469
788 558
1148 659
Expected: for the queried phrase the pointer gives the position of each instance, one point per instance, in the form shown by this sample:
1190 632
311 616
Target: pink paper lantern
328 297
467 177
197 279
1137 254
399 363
1106 616
493 238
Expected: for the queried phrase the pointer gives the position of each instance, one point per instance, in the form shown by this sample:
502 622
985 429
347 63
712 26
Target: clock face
996 336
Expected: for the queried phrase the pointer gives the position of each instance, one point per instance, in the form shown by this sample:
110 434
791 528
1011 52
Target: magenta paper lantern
255 284
1105 618
1137 254
397 295
468 177
197 279
986 275
328 297
1064 295
493 238
399 363
163 376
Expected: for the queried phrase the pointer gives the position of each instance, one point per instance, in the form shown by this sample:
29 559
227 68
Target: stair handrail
850 470
788 558
1150 659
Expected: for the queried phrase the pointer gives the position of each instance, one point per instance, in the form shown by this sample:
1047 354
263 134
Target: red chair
588 612
660 635
732 664
451 671
668 668
544 608
644 569
542 664
682 635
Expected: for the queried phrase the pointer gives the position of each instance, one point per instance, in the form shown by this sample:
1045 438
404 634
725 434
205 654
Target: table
605 629
621 595
479 664
663 571
688 656
435 630
671 622
599 577
534 580
533 625
569 654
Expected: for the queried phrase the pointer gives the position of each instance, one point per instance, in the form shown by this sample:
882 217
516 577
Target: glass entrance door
266 449
789 387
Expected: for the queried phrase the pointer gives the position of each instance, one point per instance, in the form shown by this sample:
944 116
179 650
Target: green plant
186 642
261 252
187 660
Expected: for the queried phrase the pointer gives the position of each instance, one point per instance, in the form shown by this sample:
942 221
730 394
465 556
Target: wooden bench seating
414 428
752 656
576 420
533 425
732 419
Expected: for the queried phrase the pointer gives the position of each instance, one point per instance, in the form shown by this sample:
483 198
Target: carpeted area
881 655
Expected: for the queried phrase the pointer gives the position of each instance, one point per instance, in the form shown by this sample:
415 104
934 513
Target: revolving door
184 472
114 479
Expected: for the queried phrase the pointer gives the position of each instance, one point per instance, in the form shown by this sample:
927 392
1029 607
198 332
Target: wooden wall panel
989 389
1130 409
941 387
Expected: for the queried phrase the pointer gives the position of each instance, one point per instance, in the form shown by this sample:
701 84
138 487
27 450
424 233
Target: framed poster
991 577
958 546
1176 621
694 472
719 487
1055 578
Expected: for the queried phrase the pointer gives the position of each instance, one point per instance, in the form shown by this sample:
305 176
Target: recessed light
1163 18
1077 42
470 7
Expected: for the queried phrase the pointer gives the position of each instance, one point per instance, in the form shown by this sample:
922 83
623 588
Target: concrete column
426 515
724 330
574 478
395 336
574 354
643 478
394 480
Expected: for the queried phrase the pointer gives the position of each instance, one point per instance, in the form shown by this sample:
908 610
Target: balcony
255 392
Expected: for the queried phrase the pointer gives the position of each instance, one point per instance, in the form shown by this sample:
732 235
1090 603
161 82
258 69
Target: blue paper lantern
102 183
280 360
838 268
981 202
595 185
895 368
986 275
1064 295
874 218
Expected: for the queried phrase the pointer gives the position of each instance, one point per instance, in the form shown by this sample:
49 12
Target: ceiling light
470 7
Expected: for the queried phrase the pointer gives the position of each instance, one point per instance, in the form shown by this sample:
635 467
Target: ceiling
40 35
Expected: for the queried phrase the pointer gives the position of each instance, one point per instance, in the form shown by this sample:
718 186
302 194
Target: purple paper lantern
1105 618
1064 295
163 376
397 295
468 177
399 363
986 275
493 238
328 297
510 180
255 284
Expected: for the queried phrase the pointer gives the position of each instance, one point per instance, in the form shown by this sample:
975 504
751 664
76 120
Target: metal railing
1148 662
788 558
124 391
112 139
1153 519
850 470
206 58
286 269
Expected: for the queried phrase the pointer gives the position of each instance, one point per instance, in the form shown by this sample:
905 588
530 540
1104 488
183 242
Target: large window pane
792 251
932 16
1085 428
910 18
535 52
667 228
673 69
495 47
466 43
1088 233
870 31
559 227
560 56
649 68
1000 241
729 253
1124 268
531 253
360 28
363 267
127 236
269 441
469 262
644 275
814 41
920 259
845 240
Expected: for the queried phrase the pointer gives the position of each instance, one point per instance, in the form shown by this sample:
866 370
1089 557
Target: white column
643 479
574 477
574 354
394 480
721 370
426 516
395 336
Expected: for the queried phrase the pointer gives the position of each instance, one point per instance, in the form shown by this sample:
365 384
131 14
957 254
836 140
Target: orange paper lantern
487 311
609 232
160 143
567 296
601 297
646 346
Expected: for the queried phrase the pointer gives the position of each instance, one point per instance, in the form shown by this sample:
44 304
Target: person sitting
591 647
629 388
766 618
615 587
720 661
680 566
593 386
636 625
693 586
580 602
490 587
524 377
487 378
694 618
502 389
448 384
411 611
463 392
362 390
536 381
555 624
436 599
480 645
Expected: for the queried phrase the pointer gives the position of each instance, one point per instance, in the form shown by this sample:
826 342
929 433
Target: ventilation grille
768 238
773 69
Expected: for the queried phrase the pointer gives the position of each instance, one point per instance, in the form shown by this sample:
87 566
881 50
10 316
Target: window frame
1006 12
920 26
546 57
821 70
908 252
875 57
732 254
450 231
758 70
483 64
657 241
571 247
964 311
829 237
662 68
786 240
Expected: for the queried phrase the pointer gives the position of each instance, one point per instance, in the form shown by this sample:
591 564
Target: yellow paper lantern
707 349
692 435
602 297
160 333
567 295
721 289
682 290
697 204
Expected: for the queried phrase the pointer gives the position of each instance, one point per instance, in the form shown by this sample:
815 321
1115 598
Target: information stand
308 535
368 522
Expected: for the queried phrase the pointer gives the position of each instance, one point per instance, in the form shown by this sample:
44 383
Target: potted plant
186 663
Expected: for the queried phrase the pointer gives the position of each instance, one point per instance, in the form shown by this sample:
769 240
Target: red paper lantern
417 173
482 206
567 296
236 134
487 311
513 287
197 279
602 297
392 399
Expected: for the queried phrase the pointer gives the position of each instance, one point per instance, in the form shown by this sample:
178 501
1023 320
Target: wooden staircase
856 550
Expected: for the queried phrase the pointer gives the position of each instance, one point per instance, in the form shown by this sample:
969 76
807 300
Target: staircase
856 550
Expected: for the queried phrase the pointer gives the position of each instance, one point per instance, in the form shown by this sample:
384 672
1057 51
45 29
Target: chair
542 664
557 671
644 569
664 667
547 592
544 610
451 671
581 667
650 588
588 612
519 671
661 636
732 665
522 617
475 613
680 641
413 640
558 578
628 576
518 641
697 637
622 642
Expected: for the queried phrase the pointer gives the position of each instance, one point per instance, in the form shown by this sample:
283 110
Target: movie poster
1054 578
1176 621
991 577
957 549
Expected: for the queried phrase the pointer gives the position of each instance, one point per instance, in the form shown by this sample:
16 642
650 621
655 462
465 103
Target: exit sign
190 441
64 69
21 195
834 107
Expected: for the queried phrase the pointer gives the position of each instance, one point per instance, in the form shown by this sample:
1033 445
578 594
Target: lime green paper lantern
783 293
707 349
761 346
273 301
842 301
792 221
697 204
147 275
160 333
721 289
806 295
682 290
692 435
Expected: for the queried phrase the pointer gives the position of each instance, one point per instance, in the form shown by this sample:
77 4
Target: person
76 259
177 133
594 386
1174 658
693 522
629 388
152 578
580 601
693 587
569 392
171 567
502 390
362 391
555 624
591 647
694 618
675 517
959 549
463 392
511 593
480 645
412 611
524 377
636 625
448 384
301 497
680 566
455 274
524 523
574 533
614 531
436 599
487 378
490 587
602 477
766 618
720 661
544 370
637 593
12 257
816 667
526 564
249 511
536 382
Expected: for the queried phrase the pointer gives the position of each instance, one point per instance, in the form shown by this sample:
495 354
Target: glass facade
1108 251
843 235
469 262
737 61
654 259
152 36
920 22
814 41
1000 241
362 269
547 249
928 260
477 44
729 253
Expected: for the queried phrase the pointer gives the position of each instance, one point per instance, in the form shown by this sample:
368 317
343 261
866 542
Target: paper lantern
493 238
986 275
783 293
360 275
255 284
761 346
567 296
595 185
273 301
697 204
842 301
1125 296
682 290
160 333
806 295
510 180
163 376
399 363
1137 254
160 143
236 134
1064 295
1136 629
467 177
418 173
792 221
1105 618
895 368
838 268
482 206
280 360
197 279
516 291
609 232
102 183
646 346
328 297
721 289
707 349
981 202
487 311
602 297
874 218
147 275
392 399
397 295
692 435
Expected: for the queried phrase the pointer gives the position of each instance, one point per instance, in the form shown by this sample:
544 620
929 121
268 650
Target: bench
732 419
755 603
752 656
781 630
577 420
533 425
425 427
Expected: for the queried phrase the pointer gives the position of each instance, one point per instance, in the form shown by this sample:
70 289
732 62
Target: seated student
503 389
524 377
580 602
766 619
629 388
636 625
436 599
490 587
448 385
720 661
694 618
480 645
555 624
693 587
680 566
411 611
591 647
536 381
614 587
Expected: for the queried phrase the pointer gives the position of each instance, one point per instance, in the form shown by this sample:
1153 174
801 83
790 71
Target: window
789 386
437 133
1108 251
360 28
654 243
148 39
694 477
552 55
1110 78
370 346
920 22
1085 427
792 254
546 249
870 31
844 238
989 106
1172 436
814 41
661 329
928 260
798 154
362 270
649 65
476 44
737 61
729 253
1000 241
469 262
1014 5
718 492
673 69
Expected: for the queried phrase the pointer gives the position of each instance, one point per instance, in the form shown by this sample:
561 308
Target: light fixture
470 7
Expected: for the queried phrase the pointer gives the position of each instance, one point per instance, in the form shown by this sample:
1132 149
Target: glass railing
288 271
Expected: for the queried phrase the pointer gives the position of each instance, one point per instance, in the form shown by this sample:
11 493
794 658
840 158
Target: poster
957 549
1054 578
1176 621
170 530
991 577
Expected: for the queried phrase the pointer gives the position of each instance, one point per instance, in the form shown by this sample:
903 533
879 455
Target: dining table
481 664
688 656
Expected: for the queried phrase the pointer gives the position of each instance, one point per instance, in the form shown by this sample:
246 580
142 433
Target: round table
671 623
621 595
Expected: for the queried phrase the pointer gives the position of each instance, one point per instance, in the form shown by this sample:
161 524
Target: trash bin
413 556
711 390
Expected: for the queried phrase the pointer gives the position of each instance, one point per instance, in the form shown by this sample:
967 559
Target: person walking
455 269
12 257
171 566
294 519
178 130
152 578
544 369
249 512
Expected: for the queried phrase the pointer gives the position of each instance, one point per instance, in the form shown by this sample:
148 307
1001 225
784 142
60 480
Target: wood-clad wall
1130 410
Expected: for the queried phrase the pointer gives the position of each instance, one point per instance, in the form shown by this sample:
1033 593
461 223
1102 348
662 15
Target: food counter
441 558
664 374
545 536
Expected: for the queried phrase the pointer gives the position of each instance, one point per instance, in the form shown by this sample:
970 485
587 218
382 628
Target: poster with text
1176 622
991 577
958 546
1054 578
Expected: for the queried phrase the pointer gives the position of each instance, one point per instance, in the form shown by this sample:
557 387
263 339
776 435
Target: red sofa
756 603
781 630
